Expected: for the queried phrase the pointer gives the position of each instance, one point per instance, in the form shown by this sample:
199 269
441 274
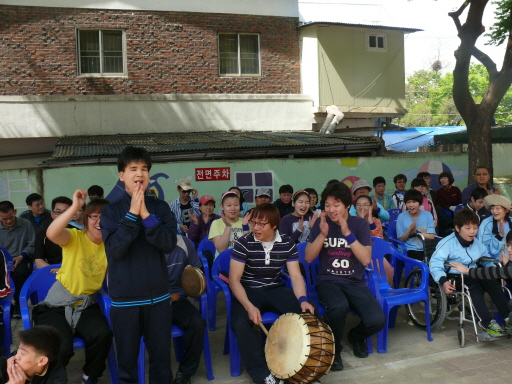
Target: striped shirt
175 206
263 266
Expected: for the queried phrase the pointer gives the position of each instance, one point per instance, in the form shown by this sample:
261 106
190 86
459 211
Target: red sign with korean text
213 174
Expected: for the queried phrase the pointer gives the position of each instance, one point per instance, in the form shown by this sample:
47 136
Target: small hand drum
301 349
193 282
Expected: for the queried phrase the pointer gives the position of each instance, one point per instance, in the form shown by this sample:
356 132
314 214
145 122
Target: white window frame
238 55
101 74
254 186
377 35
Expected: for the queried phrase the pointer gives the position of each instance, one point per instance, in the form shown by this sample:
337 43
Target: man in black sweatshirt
138 231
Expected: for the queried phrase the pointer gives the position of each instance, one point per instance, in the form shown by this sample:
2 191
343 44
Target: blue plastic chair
36 288
179 346
221 263
212 288
401 248
6 303
393 214
389 298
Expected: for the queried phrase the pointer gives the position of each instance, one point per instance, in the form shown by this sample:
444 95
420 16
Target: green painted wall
300 173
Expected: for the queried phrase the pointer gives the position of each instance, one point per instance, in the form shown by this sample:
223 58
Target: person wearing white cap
262 196
494 229
183 205
361 187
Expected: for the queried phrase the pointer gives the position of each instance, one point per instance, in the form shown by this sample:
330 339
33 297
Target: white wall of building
309 75
249 7
55 116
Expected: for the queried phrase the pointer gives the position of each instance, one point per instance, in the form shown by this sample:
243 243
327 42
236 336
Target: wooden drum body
300 348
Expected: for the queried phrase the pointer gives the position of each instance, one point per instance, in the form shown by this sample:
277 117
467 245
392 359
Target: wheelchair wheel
461 334
438 302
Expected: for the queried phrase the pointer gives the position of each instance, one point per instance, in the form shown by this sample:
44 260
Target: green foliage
500 30
430 103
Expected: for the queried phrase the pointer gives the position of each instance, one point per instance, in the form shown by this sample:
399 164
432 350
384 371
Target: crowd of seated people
147 243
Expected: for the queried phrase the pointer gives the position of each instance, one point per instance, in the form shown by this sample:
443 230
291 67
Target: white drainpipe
334 117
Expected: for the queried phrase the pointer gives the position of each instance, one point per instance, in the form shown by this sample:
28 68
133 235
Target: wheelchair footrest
484 336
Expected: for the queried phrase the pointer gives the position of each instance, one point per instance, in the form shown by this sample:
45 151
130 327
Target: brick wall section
167 52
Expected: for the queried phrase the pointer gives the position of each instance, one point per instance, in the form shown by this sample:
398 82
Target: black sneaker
181 378
271 379
358 346
337 365
90 380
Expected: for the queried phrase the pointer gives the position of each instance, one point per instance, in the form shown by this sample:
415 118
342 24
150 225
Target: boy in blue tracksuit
138 231
462 246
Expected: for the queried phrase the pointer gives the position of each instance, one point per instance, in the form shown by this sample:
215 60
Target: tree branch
486 61
455 15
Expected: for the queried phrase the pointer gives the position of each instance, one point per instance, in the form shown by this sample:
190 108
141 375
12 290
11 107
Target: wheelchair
456 306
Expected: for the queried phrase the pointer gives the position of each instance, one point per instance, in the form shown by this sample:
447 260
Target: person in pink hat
200 224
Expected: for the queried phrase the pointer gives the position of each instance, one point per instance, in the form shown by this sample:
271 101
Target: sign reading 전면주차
213 174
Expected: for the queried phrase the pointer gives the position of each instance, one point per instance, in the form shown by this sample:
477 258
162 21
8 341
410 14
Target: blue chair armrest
105 303
411 264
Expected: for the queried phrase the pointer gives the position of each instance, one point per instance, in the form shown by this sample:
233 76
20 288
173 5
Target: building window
249 181
376 42
239 54
101 52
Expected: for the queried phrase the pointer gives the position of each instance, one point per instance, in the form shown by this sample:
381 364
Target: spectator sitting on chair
38 216
449 196
70 305
361 187
482 177
430 193
35 361
343 244
284 203
463 247
17 236
313 200
46 251
412 221
244 207
297 224
400 181
380 195
495 228
427 205
255 280
95 192
200 225
476 203
184 314
184 204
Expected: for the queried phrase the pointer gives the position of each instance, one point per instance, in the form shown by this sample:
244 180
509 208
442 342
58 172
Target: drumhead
290 348
193 282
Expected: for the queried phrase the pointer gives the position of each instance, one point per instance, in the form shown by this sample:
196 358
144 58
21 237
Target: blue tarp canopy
412 138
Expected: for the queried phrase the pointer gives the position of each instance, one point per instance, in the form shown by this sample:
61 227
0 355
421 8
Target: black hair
242 200
365 197
481 166
33 197
332 181
61 200
423 174
413 194
43 338
6 206
448 175
338 191
464 217
418 182
133 154
95 190
508 238
311 191
379 180
400 176
287 188
297 194
479 193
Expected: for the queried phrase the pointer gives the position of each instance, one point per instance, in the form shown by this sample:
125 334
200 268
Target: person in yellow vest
70 305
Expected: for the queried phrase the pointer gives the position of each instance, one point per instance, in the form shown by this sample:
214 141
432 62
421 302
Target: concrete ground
410 358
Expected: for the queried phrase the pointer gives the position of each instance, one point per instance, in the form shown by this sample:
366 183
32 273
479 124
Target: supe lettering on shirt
337 242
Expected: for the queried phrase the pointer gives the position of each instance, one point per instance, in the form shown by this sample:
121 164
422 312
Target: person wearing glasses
400 181
184 205
482 178
46 251
70 305
255 280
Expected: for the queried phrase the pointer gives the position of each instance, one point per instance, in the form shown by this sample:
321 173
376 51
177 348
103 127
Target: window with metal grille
376 42
101 52
239 54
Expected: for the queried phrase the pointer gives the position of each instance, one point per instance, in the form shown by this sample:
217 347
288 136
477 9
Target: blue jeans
338 299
